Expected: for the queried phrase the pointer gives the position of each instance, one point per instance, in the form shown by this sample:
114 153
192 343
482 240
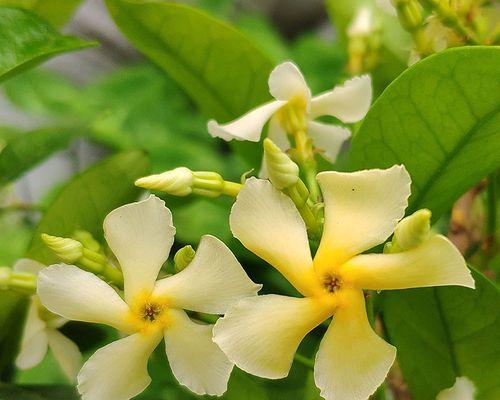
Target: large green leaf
440 119
84 202
26 40
442 333
28 149
56 12
37 392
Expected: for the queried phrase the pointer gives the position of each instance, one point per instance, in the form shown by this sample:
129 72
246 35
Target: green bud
409 14
68 250
86 239
183 257
177 182
282 171
412 231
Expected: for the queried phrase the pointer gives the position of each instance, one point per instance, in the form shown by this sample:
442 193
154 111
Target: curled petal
140 235
196 361
327 138
348 102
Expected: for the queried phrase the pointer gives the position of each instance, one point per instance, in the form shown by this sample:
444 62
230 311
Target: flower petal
34 341
361 211
66 353
261 334
211 283
268 224
352 361
196 361
81 296
348 102
463 389
247 127
28 265
286 82
118 371
328 138
140 235
436 262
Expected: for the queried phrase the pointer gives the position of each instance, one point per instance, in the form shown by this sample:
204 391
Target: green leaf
56 12
26 150
440 119
442 333
37 392
26 40
88 198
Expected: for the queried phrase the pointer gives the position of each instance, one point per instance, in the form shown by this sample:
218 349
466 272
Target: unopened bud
183 258
412 231
177 182
68 250
282 171
86 239
409 14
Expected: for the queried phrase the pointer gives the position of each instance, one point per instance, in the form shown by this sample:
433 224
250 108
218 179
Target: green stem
231 188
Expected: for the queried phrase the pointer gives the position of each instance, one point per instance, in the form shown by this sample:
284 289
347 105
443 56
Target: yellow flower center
149 314
292 116
331 283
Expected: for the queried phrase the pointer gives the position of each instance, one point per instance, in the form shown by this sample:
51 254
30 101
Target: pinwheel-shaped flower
141 235
41 333
294 108
261 334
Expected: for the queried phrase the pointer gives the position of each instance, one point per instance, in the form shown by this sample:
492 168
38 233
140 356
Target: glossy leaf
88 198
26 40
26 150
443 333
440 119
56 12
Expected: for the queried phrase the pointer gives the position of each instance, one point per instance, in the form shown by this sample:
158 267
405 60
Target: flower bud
177 182
412 231
86 239
409 14
68 250
183 257
282 171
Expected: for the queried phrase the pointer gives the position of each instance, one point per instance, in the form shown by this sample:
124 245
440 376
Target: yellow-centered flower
141 235
261 334
41 333
294 109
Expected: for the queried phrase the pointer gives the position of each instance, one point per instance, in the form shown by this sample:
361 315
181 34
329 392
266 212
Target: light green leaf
440 119
88 198
443 333
26 150
56 12
26 40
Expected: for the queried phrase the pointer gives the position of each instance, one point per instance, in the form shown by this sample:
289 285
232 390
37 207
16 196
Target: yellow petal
436 262
118 371
361 211
261 334
140 235
196 361
268 224
352 361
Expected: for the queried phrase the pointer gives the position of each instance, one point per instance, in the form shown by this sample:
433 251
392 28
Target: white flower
41 333
141 235
348 102
261 334
362 24
463 389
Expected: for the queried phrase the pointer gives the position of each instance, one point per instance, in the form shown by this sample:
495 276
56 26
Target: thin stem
304 156
231 188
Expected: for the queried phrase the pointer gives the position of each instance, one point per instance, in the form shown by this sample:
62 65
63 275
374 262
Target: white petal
119 370
140 235
361 211
463 389
279 137
286 82
66 353
348 102
328 138
196 361
436 262
81 296
247 127
268 224
261 334
362 24
211 283
28 265
352 361
34 341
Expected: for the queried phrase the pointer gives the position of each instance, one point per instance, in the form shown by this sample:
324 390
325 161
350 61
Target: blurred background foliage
77 131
